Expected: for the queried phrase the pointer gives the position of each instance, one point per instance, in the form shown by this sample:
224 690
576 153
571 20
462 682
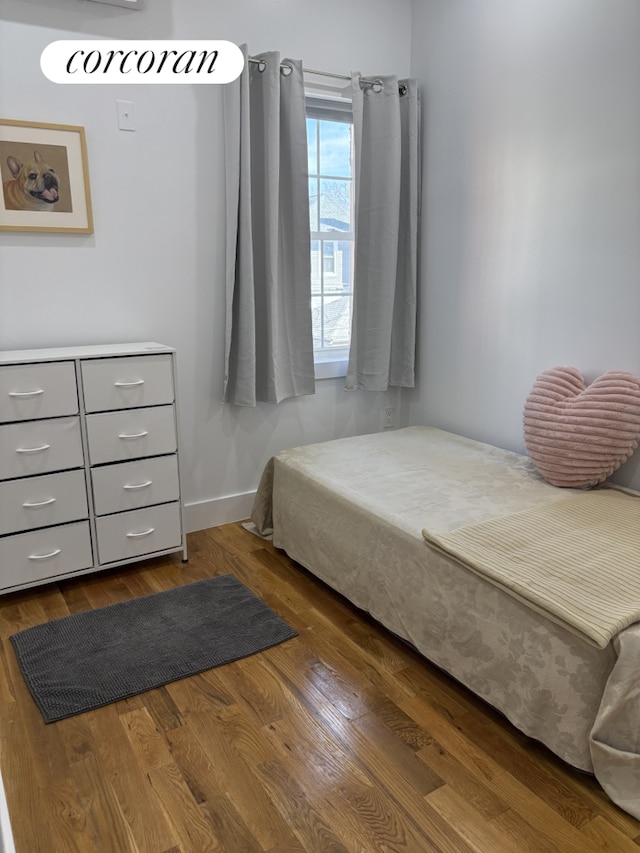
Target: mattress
352 511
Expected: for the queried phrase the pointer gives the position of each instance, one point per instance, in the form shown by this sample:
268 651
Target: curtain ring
377 86
262 64
286 69
402 89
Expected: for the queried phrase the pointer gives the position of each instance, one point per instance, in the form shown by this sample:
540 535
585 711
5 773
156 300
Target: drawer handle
26 393
45 556
132 486
31 504
33 449
134 434
144 533
129 384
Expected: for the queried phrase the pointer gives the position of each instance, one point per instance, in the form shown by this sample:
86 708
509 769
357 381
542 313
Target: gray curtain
269 342
386 119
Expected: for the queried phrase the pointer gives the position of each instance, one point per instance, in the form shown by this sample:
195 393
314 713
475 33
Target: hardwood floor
341 740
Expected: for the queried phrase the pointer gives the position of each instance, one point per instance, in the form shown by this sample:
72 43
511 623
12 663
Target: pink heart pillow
576 434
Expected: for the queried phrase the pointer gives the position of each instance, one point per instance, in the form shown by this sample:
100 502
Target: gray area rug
90 659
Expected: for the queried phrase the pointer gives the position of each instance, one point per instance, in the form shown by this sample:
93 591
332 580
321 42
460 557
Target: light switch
126 117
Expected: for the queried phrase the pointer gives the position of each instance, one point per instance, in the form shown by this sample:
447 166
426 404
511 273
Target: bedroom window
330 146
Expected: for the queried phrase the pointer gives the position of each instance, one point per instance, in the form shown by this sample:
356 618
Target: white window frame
331 362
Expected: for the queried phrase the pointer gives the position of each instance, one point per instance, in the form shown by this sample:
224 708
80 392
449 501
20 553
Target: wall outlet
388 418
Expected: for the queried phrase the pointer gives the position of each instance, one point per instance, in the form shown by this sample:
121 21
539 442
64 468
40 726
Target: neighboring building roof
337 321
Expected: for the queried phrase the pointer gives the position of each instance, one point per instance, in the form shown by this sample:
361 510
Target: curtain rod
377 84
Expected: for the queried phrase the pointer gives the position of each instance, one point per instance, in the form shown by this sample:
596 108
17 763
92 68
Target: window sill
331 368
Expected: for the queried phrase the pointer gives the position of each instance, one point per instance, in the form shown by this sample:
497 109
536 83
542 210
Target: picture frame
45 178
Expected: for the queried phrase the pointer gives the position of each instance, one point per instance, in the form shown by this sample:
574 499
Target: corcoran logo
144 61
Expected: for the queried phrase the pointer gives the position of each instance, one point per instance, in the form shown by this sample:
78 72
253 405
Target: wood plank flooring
341 740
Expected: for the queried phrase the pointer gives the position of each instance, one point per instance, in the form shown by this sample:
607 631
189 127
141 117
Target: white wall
531 209
153 269
531 213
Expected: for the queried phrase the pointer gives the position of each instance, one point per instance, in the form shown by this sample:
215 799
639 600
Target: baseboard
211 513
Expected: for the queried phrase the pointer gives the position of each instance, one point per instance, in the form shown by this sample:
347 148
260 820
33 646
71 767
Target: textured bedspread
352 511
576 560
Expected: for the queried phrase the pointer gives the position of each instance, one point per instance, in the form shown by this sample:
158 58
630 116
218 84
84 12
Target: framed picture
45 178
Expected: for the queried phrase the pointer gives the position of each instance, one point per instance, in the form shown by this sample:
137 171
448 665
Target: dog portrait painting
35 185
45 177
35 179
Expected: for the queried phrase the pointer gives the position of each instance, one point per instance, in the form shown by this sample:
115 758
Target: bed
370 516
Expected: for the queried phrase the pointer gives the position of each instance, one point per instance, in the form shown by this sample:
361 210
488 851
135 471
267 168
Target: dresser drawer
131 434
144 531
131 485
29 391
128 382
36 447
42 501
44 554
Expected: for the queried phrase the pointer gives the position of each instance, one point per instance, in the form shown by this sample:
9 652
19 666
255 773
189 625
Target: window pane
330 203
316 321
316 280
337 321
335 148
344 264
329 260
312 145
335 205
331 318
313 205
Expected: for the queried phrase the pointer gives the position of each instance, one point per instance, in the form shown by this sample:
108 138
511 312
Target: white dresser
89 461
